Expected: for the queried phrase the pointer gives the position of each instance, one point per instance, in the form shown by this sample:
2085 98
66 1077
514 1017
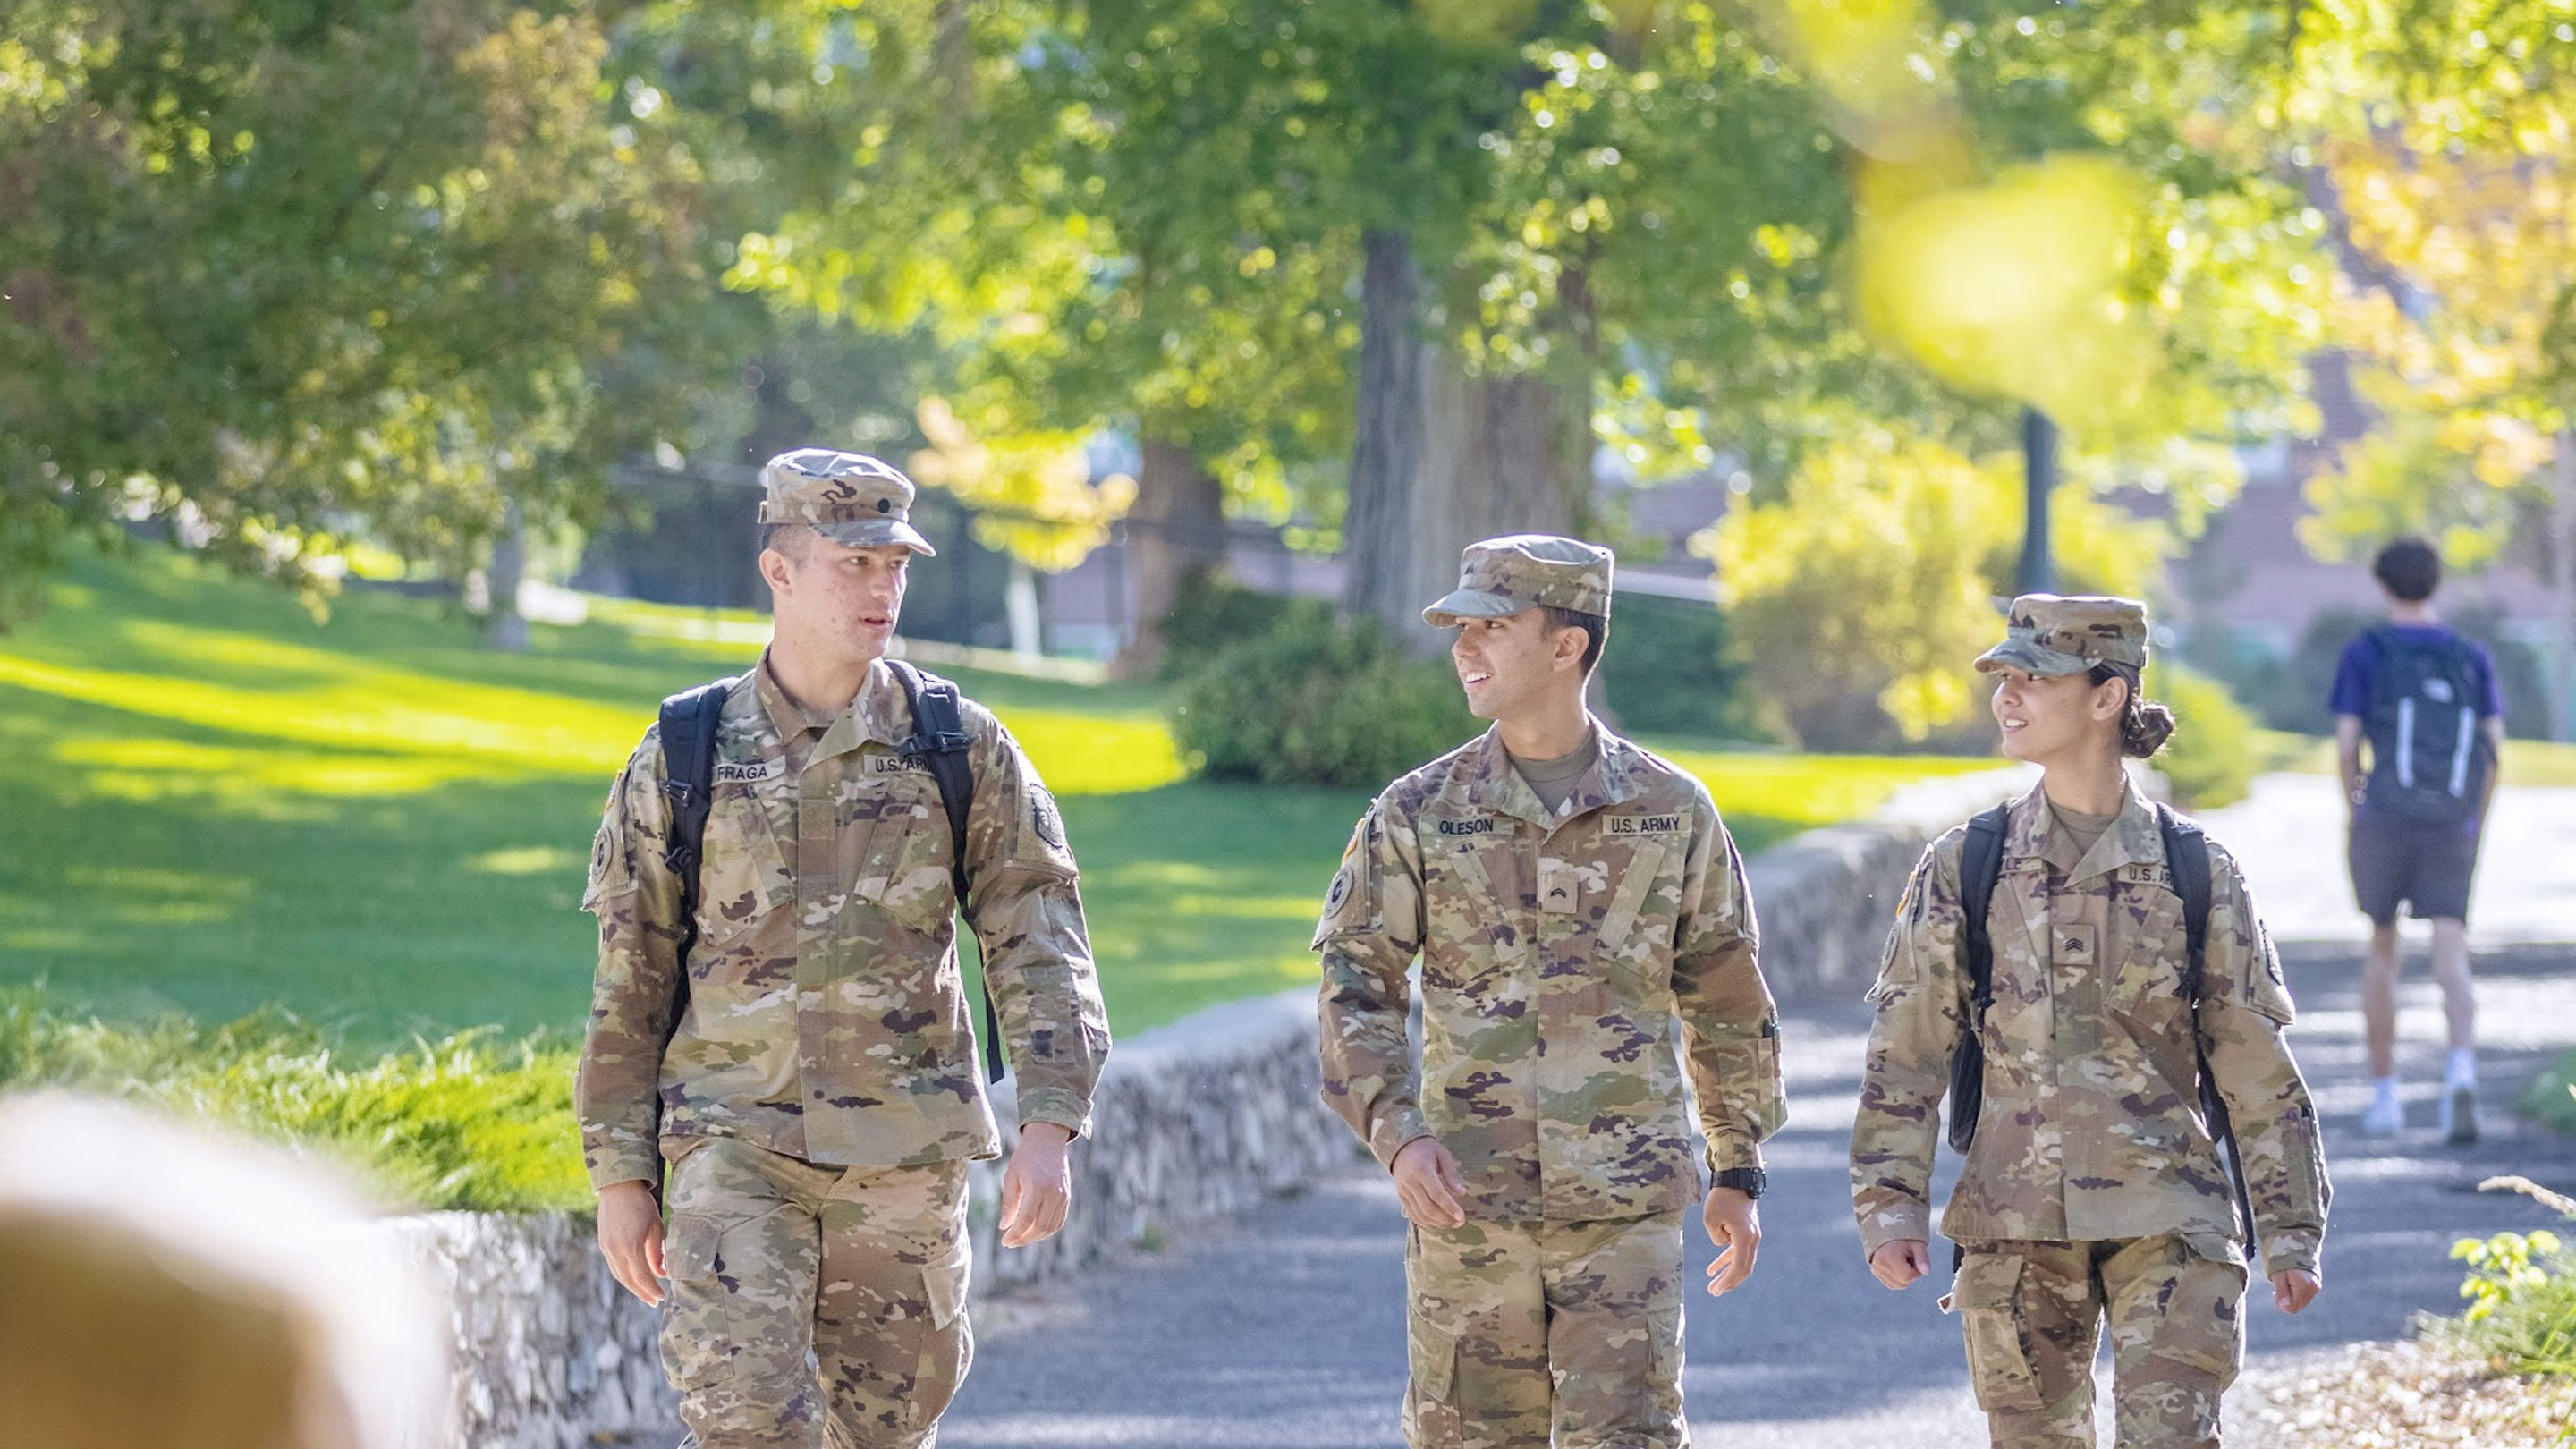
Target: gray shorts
2422 863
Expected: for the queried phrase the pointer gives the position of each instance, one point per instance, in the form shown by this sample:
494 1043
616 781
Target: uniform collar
2133 839
878 713
788 717
1493 783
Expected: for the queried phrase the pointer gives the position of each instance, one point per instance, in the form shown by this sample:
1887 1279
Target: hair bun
2145 728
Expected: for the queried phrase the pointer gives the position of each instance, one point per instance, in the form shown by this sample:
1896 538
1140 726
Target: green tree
1859 597
279 274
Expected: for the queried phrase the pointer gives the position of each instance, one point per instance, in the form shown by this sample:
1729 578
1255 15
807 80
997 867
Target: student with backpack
2427 702
779 1091
2083 974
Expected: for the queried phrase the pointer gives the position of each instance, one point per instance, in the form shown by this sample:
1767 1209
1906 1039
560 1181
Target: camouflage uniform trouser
1523 1330
2032 1312
813 1305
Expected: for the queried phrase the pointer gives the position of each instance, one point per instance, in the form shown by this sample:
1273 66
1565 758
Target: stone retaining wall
1195 1119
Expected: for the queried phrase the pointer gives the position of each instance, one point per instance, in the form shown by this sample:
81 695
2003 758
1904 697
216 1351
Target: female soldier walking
2094 1185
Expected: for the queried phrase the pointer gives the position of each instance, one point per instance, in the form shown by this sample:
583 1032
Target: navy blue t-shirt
2357 672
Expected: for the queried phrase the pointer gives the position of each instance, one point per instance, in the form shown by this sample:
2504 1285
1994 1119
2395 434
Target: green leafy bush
1210 614
2214 753
2552 1096
2522 1294
1668 670
466 1122
1315 702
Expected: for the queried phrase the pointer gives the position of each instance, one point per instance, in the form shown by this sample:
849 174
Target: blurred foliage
1314 701
1860 598
2551 1097
273 273
2449 478
465 1122
2292 693
2521 1289
1668 669
1210 612
2216 749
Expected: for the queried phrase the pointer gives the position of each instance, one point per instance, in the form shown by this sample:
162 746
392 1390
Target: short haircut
789 539
2410 569
1595 627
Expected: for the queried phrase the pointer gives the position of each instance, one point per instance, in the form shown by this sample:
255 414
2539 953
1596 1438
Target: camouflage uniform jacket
2091 1128
825 1017
1557 952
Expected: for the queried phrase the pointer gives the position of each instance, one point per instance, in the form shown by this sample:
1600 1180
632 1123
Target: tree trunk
1443 458
2562 589
503 627
1175 529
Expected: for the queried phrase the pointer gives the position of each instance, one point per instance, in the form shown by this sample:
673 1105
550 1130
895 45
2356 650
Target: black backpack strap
688 778
1981 865
940 742
2187 862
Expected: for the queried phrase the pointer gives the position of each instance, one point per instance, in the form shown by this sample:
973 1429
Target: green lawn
215 803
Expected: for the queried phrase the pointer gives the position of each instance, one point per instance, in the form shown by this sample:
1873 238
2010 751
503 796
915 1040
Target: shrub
2213 755
1210 614
2552 1097
464 1123
2522 1294
1859 595
1312 701
1668 670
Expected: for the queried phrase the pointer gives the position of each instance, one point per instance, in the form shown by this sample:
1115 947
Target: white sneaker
2386 1117
2460 1114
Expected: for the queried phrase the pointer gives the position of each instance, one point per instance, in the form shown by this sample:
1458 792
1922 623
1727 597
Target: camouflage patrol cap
1502 576
849 498
2046 634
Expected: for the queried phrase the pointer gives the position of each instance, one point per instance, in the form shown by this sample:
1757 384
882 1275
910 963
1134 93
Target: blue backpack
2429 760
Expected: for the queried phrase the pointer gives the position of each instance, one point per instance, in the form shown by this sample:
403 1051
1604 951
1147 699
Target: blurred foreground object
162 1286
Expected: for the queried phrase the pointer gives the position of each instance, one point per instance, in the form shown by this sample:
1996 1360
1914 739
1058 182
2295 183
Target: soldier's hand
630 1237
1037 1186
1429 1184
1736 1228
2295 1288
1898 1262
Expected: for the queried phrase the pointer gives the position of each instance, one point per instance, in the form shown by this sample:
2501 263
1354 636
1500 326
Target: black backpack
1981 866
2429 760
939 741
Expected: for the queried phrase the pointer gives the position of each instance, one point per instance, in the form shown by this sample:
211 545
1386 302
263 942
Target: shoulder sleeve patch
1350 903
612 860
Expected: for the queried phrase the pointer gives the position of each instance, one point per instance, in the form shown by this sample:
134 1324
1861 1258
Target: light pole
2039 475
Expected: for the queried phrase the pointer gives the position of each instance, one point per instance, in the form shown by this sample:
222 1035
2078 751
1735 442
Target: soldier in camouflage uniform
808 1075
1571 898
2092 1189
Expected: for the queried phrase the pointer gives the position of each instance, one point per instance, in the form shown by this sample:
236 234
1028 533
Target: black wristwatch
1746 1180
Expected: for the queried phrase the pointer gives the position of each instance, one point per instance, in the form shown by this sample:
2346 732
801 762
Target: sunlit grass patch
467 1122
1765 797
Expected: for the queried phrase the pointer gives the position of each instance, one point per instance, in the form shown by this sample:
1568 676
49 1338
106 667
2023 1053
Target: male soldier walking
808 1072
2093 1186
1571 897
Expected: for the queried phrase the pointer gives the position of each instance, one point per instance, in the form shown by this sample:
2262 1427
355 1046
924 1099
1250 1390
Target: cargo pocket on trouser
2202 1327
733 1343
948 1348
1987 1295
1431 1391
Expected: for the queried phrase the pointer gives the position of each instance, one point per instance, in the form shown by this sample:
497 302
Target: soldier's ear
777 568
